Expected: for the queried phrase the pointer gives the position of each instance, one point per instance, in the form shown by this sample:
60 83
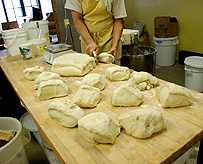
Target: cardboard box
165 27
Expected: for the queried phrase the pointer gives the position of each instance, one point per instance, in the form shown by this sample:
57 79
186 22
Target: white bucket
12 39
30 125
38 45
194 73
33 30
166 50
13 152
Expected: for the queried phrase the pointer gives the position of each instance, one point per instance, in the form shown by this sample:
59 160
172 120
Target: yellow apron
100 25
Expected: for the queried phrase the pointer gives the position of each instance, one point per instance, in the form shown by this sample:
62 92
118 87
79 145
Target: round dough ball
87 96
105 58
99 127
142 122
94 80
65 112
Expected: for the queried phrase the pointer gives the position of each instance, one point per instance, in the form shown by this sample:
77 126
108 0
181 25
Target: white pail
194 73
38 45
166 50
37 29
12 39
13 151
30 125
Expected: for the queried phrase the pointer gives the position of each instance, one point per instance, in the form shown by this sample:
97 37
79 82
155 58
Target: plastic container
166 50
13 152
29 124
37 29
12 39
194 73
27 50
141 60
38 45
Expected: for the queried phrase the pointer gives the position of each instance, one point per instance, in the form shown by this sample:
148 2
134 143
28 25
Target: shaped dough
32 72
52 88
142 123
118 73
73 64
94 80
144 80
44 76
105 58
99 127
127 95
65 112
174 96
87 96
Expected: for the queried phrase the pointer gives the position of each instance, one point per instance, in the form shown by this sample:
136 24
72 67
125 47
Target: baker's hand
113 51
92 47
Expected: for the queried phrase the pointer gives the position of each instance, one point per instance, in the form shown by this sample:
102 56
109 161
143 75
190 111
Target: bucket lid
13 31
28 123
165 39
36 42
194 61
28 24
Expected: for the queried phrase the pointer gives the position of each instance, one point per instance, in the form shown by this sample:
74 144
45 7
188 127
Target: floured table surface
184 124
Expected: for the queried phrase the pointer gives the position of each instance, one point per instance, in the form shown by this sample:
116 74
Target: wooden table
184 124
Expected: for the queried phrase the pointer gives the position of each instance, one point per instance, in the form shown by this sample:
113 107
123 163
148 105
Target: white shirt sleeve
116 8
74 5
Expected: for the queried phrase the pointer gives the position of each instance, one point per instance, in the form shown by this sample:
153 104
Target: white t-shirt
115 7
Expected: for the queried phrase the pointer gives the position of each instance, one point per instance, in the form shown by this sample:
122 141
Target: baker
100 25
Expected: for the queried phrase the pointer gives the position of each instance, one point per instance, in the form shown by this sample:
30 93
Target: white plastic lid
194 61
28 123
36 42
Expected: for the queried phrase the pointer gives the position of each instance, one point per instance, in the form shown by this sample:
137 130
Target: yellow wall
189 14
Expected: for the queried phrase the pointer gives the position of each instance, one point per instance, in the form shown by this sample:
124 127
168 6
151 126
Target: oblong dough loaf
87 96
105 58
127 95
173 95
99 127
52 88
32 72
118 73
142 122
73 64
94 80
65 112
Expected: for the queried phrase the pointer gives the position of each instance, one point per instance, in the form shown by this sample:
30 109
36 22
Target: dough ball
73 64
52 88
44 76
94 80
118 73
144 80
173 95
105 58
127 95
142 123
87 96
65 112
32 72
99 127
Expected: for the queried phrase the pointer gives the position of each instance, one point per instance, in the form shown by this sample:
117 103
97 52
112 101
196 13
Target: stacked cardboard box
165 27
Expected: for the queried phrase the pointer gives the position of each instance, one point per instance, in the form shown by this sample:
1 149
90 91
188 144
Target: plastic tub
166 50
13 152
194 73
12 39
38 45
37 29
141 60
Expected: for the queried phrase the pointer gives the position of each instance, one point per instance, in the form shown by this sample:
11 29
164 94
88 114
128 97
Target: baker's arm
84 33
117 32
